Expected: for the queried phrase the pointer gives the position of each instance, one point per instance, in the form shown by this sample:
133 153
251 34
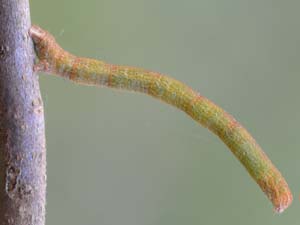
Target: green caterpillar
54 60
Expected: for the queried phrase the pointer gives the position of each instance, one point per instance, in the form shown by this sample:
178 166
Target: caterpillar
53 59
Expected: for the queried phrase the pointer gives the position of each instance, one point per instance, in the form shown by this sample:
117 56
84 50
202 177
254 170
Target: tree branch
22 141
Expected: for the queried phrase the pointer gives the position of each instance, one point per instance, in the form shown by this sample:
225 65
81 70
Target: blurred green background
124 158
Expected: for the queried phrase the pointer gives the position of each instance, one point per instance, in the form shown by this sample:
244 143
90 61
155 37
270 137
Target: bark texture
22 139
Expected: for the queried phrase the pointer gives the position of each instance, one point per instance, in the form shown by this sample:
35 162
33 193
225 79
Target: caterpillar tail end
36 33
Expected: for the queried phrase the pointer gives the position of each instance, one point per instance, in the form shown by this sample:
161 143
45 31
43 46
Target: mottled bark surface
22 141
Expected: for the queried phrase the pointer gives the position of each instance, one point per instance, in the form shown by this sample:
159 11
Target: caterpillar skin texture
54 60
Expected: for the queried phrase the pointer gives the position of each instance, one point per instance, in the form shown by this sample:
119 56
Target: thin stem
53 59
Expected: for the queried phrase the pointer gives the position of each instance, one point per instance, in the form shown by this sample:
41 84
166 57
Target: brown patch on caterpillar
196 99
74 71
37 34
277 191
233 123
193 102
112 70
156 75
46 49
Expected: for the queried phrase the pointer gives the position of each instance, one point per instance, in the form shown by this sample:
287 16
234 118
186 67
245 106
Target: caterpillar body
54 60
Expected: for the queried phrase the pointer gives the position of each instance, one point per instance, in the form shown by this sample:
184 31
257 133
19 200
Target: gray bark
22 141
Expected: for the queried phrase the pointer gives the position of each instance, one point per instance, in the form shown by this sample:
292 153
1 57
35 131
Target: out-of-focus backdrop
124 158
